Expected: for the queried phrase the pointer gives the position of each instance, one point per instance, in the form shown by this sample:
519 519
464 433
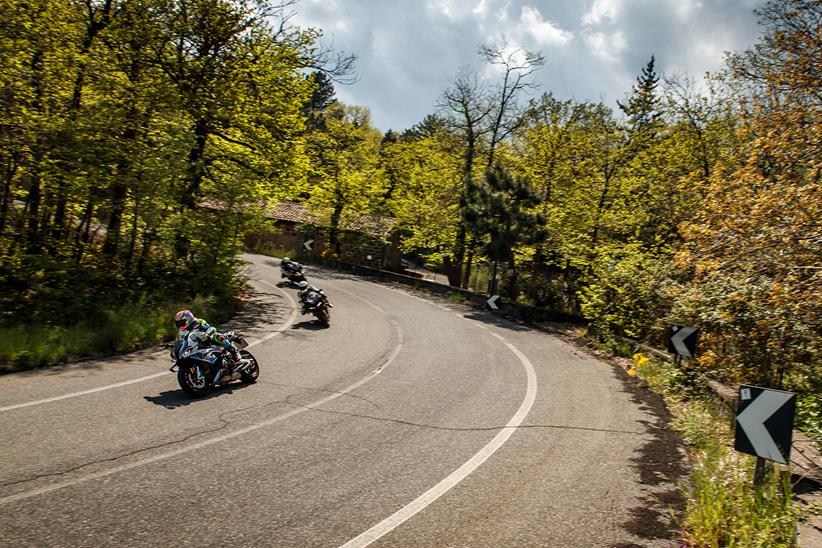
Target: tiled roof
297 212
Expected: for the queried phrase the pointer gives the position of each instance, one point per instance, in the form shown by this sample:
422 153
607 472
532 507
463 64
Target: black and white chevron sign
683 340
764 423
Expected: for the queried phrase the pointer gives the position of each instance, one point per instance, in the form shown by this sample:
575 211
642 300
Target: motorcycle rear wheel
187 377
250 374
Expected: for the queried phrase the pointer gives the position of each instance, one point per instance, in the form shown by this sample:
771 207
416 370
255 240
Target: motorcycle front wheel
193 380
324 316
249 374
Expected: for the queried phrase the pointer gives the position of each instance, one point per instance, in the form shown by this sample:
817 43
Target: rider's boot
236 359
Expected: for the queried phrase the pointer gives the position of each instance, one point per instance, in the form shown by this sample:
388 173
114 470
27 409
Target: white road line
153 375
216 439
82 392
395 520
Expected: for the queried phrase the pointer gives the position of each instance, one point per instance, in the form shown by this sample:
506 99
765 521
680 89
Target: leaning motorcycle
293 272
201 367
317 303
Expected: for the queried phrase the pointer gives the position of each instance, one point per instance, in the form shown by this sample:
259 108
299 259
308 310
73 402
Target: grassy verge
108 331
723 508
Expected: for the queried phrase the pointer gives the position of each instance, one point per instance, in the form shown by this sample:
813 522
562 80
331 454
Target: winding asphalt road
407 423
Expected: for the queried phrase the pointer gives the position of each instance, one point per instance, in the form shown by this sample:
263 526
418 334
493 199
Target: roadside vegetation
140 140
722 505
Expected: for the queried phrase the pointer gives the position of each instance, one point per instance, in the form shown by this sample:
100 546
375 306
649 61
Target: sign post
764 426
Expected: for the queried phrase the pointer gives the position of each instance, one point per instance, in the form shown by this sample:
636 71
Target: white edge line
217 439
420 503
153 375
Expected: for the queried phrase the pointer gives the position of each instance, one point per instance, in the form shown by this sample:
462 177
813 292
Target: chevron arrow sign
764 423
492 302
308 245
683 340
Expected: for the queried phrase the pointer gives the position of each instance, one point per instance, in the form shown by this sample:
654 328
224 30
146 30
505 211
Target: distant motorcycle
316 302
202 367
292 270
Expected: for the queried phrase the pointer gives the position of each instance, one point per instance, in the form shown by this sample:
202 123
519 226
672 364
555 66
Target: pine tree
500 208
642 107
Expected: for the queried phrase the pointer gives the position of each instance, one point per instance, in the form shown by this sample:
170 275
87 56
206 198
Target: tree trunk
334 233
600 208
34 245
10 171
196 164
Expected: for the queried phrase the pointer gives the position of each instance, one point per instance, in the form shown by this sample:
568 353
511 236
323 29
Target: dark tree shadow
661 466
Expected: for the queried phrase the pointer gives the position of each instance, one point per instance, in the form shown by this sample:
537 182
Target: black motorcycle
293 271
201 367
316 302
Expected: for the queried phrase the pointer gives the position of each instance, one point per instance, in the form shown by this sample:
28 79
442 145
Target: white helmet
303 285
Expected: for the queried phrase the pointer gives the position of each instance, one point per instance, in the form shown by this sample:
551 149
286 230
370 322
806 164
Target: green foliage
139 140
623 294
723 508
105 331
809 417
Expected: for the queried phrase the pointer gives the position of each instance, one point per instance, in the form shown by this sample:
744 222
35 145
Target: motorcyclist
302 293
290 266
202 332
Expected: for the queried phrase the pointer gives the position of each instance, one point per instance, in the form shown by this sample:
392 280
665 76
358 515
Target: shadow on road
260 308
174 399
661 467
496 321
311 325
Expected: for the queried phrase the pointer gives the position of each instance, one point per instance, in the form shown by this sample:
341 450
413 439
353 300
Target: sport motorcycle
201 366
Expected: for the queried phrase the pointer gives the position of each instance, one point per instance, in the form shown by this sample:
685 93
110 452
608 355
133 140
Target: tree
467 110
516 64
642 106
754 245
502 208
323 95
345 173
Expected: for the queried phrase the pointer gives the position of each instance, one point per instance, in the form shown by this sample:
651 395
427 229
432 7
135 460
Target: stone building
363 239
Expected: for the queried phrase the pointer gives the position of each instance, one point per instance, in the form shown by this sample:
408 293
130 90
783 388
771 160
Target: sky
410 50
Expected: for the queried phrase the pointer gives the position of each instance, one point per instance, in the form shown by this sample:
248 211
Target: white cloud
601 10
444 7
606 45
502 12
481 9
684 9
542 31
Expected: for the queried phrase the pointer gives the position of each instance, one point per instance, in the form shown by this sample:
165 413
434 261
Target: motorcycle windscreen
179 345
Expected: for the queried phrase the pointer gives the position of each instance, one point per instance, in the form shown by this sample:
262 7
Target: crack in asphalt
456 428
319 390
184 439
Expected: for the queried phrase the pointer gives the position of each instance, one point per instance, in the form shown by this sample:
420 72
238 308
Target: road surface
407 423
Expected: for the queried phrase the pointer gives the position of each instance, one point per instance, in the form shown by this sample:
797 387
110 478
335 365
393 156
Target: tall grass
723 507
109 331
